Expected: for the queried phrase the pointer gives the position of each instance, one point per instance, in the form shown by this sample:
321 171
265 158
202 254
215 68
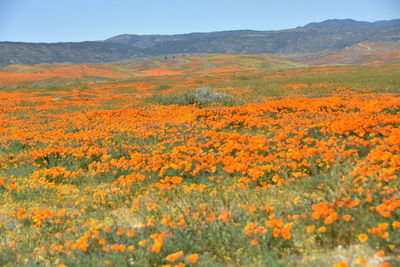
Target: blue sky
79 20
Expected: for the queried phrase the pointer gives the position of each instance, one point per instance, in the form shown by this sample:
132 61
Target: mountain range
313 37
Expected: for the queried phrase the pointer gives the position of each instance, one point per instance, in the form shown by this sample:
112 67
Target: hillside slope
361 53
202 64
310 38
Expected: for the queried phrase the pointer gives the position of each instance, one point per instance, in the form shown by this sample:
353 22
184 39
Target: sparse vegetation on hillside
361 53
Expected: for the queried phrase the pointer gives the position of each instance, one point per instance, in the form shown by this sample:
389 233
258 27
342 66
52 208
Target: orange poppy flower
363 237
174 256
193 258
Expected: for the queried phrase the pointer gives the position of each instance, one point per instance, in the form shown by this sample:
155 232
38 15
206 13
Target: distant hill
352 24
45 74
78 52
361 53
272 42
326 35
147 41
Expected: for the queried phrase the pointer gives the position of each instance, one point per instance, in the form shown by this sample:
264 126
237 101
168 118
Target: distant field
272 163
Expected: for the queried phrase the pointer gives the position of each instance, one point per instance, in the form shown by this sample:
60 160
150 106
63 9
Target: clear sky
79 20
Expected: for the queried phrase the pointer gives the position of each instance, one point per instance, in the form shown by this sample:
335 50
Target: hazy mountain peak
352 24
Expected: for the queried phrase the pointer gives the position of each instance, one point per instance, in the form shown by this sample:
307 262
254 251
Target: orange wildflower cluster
98 172
37 74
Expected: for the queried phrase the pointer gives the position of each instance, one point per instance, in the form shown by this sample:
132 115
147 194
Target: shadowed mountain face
286 41
147 41
327 35
79 52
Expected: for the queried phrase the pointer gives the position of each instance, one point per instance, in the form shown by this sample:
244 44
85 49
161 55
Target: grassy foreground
304 173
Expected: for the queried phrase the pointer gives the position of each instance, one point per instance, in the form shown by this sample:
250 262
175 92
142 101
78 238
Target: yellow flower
360 261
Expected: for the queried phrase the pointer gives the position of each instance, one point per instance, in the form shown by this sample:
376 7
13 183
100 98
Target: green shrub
201 97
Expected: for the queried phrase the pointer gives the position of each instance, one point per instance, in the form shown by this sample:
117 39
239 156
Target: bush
201 97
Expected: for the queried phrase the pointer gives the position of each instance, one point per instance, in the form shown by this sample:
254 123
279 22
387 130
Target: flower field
305 172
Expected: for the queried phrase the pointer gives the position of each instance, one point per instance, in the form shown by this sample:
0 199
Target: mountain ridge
351 23
320 36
